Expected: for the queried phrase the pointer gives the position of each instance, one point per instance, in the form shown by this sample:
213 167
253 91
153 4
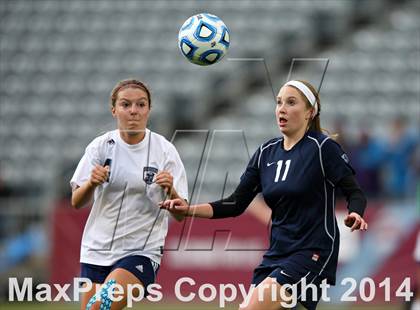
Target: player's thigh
86 296
268 295
131 275
128 281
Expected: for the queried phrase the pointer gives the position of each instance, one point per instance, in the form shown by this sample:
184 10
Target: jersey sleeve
175 166
90 159
249 186
356 199
252 172
335 162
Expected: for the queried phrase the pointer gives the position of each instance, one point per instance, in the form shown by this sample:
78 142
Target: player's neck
289 141
132 138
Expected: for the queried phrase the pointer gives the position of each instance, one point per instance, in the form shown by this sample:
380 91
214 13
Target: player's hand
99 175
165 180
355 222
175 206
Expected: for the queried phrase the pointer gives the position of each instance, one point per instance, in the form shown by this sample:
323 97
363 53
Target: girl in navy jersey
297 175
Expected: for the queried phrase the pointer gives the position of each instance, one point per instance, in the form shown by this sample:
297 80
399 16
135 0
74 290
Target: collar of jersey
294 146
137 146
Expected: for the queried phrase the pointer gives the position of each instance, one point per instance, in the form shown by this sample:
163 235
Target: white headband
307 92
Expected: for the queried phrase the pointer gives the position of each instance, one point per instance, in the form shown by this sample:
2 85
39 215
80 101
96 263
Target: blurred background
59 61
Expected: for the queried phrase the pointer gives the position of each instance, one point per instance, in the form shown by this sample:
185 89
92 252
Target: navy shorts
143 268
297 268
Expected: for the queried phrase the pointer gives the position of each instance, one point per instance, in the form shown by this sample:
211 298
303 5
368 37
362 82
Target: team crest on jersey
148 174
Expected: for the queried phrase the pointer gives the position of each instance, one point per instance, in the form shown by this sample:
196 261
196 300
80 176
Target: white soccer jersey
125 218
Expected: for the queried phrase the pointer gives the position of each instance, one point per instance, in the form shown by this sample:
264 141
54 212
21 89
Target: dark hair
315 123
127 84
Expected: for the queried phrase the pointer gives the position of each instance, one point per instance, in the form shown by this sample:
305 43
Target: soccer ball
203 39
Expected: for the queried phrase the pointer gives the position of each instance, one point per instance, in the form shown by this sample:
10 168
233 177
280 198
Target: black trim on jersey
355 197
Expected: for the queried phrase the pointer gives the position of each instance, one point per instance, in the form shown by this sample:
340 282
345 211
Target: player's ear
113 111
308 113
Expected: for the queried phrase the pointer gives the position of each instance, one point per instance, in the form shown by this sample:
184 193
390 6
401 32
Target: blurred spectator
400 155
414 173
5 192
368 159
340 134
366 156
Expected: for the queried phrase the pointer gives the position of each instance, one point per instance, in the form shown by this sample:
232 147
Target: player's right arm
232 206
181 208
81 195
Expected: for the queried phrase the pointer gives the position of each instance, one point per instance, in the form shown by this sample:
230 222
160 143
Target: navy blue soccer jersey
299 187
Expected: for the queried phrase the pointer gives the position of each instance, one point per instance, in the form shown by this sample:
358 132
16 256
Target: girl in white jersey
127 172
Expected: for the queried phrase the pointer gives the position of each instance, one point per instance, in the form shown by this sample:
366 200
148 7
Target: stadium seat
64 58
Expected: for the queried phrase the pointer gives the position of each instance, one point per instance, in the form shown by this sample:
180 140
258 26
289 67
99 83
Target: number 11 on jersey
278 171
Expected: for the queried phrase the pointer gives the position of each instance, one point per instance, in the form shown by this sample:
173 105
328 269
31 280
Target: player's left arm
356 203
166 181
173 178
339 172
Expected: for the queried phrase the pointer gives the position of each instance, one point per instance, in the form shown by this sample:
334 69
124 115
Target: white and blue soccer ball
204 39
